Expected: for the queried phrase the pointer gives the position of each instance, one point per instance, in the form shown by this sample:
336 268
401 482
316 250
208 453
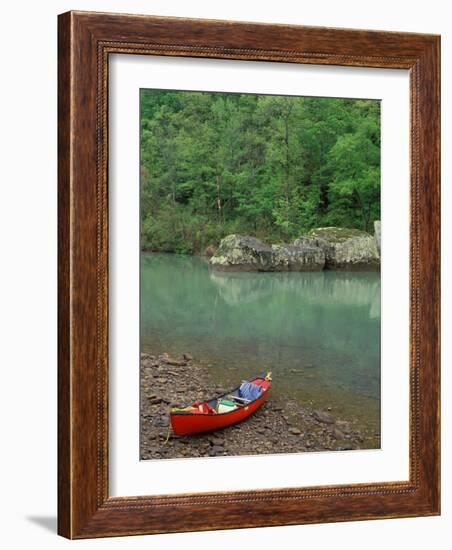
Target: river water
319 333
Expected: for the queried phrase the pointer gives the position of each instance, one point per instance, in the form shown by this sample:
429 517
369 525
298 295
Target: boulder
242 253
291 257
347 249
377 235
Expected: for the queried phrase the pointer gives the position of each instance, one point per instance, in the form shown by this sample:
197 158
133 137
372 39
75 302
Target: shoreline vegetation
272 167
284 426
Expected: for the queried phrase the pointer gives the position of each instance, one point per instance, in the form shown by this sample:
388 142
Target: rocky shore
335 248
278 427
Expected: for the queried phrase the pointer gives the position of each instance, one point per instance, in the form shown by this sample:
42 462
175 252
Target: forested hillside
269 166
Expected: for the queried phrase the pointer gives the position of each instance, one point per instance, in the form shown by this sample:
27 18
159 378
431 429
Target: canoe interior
233 393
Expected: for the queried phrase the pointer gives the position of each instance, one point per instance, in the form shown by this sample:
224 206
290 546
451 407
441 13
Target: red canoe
222 411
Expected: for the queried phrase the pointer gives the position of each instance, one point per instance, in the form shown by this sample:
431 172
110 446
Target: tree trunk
219 205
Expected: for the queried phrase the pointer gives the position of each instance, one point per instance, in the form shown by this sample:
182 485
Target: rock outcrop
243 253
345 249
323 248
377 235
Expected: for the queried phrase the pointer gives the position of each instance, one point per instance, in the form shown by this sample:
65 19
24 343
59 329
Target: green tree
270 166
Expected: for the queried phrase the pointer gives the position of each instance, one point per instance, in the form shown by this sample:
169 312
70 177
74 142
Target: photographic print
260 274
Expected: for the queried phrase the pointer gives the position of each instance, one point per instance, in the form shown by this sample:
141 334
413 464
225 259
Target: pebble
216 450
155 400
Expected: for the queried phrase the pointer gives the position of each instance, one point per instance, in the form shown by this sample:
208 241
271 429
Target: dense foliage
269 166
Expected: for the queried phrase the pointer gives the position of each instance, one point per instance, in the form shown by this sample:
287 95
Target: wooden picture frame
85 42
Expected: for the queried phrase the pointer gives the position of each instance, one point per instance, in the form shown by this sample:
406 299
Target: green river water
319 333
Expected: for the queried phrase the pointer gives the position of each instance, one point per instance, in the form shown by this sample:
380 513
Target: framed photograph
248 275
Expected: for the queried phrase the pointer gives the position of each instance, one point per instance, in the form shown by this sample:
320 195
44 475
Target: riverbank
278 427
